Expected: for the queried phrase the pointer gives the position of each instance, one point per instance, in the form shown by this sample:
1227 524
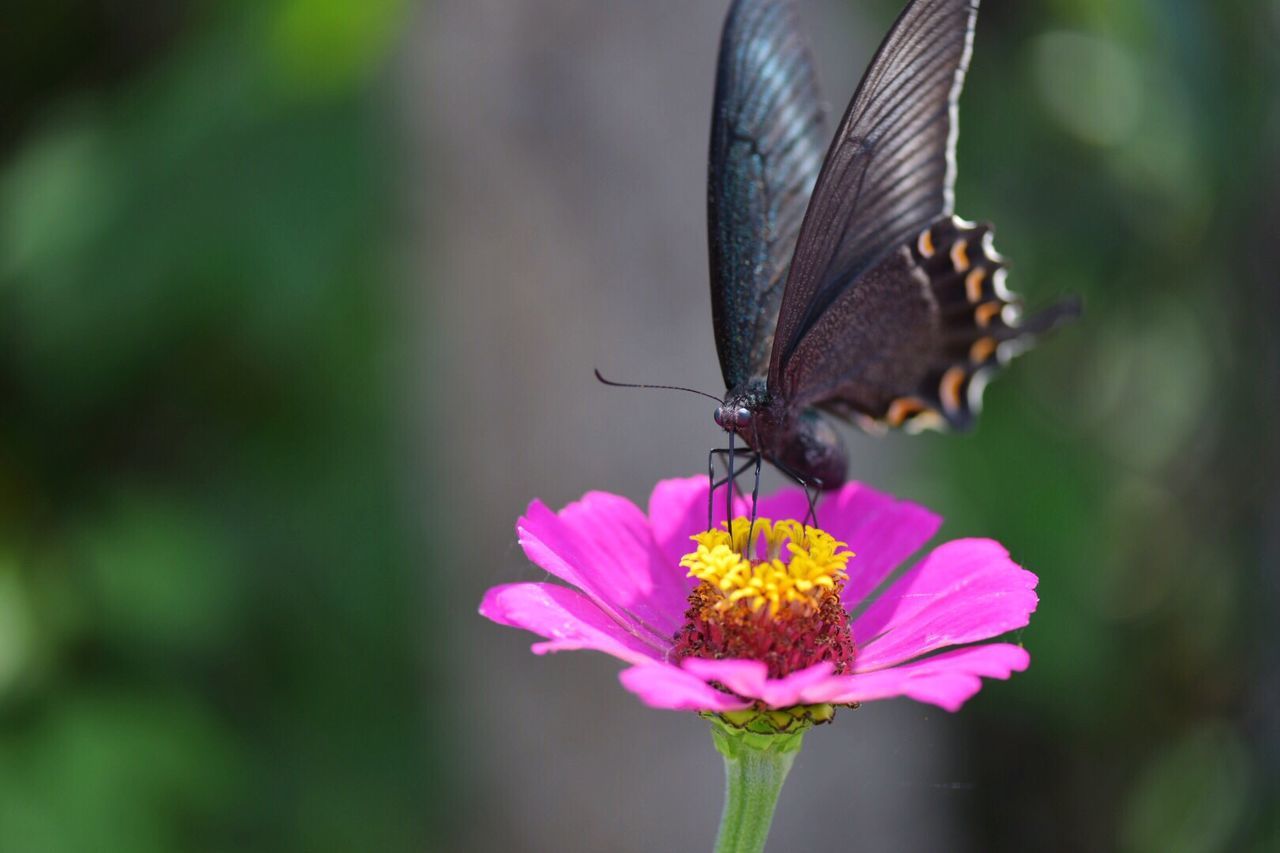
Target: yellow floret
814 562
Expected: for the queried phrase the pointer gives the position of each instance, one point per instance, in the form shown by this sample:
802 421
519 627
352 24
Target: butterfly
843 286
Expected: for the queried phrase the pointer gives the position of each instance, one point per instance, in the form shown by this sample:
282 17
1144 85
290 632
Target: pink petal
666 686
946 680
567 618
678 509
602 545
881 531
964 591
751 678
744 677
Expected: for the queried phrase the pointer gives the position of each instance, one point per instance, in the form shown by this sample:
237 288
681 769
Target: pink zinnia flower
715 626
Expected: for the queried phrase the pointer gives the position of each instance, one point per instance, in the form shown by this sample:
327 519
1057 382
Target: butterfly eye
742 417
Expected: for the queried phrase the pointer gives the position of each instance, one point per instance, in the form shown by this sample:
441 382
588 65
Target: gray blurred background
299 303
569 232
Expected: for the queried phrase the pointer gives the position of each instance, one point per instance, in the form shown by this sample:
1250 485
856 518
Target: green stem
755 766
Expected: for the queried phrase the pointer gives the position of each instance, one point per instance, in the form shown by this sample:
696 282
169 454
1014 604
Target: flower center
775 598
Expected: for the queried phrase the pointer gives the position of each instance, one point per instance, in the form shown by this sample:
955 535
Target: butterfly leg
812 489
728 489
746 466
712 482
712 485
715 484
755 502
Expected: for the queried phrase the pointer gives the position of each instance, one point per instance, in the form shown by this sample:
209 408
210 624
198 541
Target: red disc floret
795 637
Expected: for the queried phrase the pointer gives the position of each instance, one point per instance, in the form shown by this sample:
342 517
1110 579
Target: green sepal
774 721
732 742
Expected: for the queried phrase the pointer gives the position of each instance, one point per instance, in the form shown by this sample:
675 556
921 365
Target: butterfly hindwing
871 345
915 343
767 141
889 172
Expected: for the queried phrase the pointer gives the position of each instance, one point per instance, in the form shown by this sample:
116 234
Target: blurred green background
233 475
207 631
1140 467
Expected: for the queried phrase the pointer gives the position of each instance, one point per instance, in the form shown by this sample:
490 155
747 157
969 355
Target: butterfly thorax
803 443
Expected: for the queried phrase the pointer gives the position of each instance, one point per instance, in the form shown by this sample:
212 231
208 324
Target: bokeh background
299 302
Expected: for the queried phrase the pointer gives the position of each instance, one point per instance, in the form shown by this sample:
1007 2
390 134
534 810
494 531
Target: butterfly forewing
888 174
767 142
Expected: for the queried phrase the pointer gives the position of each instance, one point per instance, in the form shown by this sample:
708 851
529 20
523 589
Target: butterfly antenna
613 384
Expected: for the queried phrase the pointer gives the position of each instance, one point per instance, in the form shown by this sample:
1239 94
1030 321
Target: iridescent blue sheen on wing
889 173
767 142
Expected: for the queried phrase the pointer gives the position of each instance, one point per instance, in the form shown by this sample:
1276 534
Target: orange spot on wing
949 387
986 312
973 284
960 255
901 409
925 243
982 349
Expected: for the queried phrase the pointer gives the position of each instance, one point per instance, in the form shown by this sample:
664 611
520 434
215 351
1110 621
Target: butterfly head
733 417
742 409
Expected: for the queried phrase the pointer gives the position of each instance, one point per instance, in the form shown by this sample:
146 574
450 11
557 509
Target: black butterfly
845 285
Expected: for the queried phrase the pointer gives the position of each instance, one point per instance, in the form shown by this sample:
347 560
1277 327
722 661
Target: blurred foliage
208 630
1127 152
